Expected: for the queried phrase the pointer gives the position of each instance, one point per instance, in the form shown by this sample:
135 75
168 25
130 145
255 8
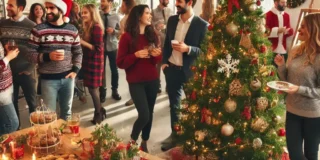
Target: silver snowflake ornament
228 65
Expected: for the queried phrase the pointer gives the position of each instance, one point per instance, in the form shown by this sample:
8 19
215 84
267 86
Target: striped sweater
46 38
6 88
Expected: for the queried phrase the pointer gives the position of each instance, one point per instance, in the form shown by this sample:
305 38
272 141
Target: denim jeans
9 121
61 90
302 130
114 70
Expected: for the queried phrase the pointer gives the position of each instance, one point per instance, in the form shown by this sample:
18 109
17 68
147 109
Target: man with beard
55 46
185 32
18 28
160 17
278 23
112 26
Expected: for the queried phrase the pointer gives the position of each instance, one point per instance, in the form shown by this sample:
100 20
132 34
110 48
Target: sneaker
115 95
129 103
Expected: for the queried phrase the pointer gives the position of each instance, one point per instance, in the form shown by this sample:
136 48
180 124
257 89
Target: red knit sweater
137 69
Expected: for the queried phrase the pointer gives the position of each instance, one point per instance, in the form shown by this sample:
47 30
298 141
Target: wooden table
66 147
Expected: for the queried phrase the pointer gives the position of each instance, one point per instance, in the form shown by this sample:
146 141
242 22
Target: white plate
275 85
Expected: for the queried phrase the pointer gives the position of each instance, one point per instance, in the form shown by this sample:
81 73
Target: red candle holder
17 152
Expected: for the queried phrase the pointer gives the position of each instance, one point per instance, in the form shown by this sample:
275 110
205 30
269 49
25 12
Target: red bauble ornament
246 113
193 68
193 95
238 141
280 92
241 31
282 132
258 3
254 61
263 49
271 73
177 127
210 27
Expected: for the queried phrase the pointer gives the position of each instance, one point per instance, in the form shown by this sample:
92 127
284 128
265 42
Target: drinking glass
12 45
73 122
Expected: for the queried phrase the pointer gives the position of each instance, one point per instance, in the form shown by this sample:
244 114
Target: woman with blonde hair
303 100
93 54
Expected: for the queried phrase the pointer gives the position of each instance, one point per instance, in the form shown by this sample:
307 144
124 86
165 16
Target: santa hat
64 6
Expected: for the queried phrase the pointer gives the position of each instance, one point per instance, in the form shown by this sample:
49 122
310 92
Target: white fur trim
60 4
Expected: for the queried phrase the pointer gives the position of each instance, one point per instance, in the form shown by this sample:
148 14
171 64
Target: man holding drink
15 33
55 46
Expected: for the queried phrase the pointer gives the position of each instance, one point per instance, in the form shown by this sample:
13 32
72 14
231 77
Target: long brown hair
133 26
95 19
32 15
311 46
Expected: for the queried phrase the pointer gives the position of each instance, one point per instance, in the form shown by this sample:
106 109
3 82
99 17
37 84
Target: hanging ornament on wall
230 105
232 29
227 129
294 3
235 88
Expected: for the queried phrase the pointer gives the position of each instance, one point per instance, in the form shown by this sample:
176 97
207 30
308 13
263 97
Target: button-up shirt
181 32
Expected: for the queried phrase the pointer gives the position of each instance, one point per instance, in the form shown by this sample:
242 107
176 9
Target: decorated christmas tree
230 112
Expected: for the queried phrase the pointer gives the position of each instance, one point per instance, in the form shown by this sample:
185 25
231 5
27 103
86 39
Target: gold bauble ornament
255 84
235 88
200 135
193 108
232 29
257 143
277 119
227 129
259 125
253 7
230 105
245 40
262 103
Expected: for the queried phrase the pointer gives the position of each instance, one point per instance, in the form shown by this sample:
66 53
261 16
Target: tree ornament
216 141
262 28
245 40
221 18
246 113
271 73
193 108
184 117
204 75
277 119
177 127
228 65
255 84
216 100
194 68
230 105
232 29
263 48
257 143
200 135
206 115
264 71
282 132
227 129
232 3
258 3
235 88
238 141
215 122
211 51
253 7
247 2
274 102
193 95
210 27
262 103
259 125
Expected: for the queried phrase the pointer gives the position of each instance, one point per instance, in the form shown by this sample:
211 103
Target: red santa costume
276 19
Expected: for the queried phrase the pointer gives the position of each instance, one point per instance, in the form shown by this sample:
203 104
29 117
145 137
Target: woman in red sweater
138 56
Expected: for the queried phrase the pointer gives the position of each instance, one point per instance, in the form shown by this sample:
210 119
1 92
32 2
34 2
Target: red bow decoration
231 3
205 113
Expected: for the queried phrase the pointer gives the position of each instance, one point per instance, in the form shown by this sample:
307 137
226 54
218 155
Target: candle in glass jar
33 156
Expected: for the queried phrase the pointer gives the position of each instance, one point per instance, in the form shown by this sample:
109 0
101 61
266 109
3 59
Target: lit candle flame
4 157
33 156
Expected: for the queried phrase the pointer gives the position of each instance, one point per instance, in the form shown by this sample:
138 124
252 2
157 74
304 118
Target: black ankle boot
115 95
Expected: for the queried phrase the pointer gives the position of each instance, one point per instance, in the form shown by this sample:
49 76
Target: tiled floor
120 117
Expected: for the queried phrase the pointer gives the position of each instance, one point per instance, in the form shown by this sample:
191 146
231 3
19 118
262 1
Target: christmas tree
230 112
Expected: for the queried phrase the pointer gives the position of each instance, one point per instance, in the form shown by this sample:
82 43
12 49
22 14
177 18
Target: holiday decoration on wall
294 3
229 110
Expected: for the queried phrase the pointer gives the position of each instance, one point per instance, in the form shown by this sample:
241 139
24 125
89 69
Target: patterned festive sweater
6 88
19 31
46 38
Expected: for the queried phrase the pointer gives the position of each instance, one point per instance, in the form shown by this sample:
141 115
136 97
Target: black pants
114 70
175 78
27 83
301 129
144 97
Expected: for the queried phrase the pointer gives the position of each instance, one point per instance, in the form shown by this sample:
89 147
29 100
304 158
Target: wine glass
12 45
